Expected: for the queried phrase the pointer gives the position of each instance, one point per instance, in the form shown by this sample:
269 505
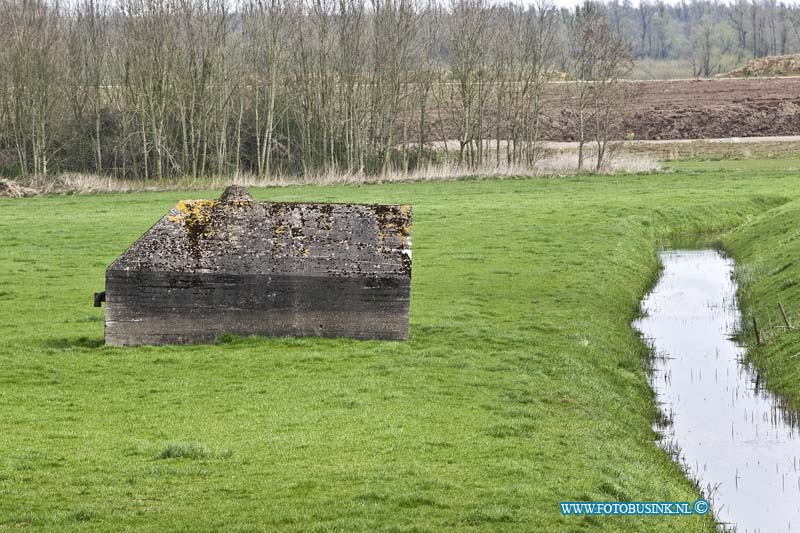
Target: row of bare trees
156 89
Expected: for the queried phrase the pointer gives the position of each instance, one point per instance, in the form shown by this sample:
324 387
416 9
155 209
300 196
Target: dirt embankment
786 65
702 109
663 110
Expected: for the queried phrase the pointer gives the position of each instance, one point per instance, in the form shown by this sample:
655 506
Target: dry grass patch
553 163
10 189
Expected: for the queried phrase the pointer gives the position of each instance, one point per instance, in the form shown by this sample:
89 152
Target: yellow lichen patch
195 217
393 228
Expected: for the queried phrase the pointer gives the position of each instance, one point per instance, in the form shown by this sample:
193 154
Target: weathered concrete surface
234 265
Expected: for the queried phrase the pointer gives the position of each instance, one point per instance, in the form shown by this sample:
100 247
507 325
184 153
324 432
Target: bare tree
267 26
88 52
580 64
34 78
149 41
427 71
353 87
538 42
469 42
737 14
611 62
599 58
393 38
201 85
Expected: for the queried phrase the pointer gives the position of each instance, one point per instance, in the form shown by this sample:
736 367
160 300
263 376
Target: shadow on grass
75 342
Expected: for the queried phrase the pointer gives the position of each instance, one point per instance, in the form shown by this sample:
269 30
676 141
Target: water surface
733 438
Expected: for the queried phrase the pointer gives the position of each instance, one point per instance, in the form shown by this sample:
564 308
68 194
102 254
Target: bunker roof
238 235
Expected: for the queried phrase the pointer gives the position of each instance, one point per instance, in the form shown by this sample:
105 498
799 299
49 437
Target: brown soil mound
698 109
670 110
788 65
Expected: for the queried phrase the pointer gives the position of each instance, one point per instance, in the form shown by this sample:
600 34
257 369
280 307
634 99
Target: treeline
710 37
155 89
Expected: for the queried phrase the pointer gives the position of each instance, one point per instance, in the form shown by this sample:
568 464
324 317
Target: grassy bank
522 384
767 253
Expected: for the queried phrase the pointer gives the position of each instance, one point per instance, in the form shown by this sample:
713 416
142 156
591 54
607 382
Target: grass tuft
185 450
84 515
230 338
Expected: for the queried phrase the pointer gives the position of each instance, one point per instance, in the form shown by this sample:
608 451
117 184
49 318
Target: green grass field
522 385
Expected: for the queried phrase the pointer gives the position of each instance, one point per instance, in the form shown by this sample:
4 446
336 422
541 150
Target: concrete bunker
239 266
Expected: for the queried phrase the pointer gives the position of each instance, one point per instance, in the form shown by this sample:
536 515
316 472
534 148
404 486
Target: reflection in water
733 438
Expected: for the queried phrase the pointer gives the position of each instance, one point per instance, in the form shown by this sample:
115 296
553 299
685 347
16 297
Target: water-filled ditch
731 437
